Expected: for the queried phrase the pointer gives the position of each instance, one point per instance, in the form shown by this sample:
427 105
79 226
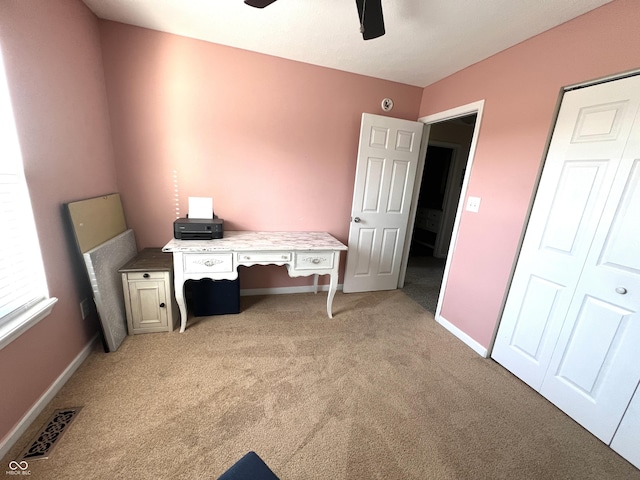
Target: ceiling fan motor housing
369 13
371 18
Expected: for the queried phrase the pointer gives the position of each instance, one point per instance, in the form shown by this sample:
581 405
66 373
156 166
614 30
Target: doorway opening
437 206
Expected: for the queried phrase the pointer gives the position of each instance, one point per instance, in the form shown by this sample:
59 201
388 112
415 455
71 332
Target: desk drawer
313 260
264 257
204 263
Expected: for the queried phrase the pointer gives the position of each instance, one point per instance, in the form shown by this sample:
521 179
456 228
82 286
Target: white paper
200 207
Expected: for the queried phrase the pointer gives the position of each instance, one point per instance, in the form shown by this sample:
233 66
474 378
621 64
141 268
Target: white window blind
21 279
23 289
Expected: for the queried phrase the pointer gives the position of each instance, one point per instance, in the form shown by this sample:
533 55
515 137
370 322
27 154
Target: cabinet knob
162 305
621 290
146 275
315 260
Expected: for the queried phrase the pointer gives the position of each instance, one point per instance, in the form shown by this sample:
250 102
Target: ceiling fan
369 13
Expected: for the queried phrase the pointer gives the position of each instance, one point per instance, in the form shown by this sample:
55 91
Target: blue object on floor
249 467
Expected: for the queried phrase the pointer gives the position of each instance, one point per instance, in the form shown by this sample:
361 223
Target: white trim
248 292
12 329
461 111
469 109
464 110
44 400
597 81
470 342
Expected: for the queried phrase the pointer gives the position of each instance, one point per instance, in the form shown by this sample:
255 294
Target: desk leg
315 283
333 286
179 287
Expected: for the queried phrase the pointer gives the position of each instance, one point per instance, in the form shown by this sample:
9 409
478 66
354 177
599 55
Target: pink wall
520 87
273 141
53 63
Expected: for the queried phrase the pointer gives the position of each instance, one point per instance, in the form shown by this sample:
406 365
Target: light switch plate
473 204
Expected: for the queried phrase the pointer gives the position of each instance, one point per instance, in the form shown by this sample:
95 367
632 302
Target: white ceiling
426 40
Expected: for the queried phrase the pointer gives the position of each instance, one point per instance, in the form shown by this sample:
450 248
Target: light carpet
423 280
380 391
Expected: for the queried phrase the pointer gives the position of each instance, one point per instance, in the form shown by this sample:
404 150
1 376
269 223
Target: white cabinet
147 282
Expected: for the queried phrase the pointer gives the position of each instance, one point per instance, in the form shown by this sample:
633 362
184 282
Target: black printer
198 228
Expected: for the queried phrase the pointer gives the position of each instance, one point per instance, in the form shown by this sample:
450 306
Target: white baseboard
470 342
247 292
44 400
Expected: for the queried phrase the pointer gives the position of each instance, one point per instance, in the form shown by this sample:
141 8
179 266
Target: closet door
627 439
595 366
583 176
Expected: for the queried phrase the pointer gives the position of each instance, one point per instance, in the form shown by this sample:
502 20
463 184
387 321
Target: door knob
357 219
621 290
162 305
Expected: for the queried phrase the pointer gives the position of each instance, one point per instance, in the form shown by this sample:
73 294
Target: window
24 297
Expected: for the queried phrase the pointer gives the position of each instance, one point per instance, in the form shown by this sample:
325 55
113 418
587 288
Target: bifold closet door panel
595 367
580 178
627 438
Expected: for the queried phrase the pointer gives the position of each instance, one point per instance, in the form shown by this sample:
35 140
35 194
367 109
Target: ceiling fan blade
371 18
259 3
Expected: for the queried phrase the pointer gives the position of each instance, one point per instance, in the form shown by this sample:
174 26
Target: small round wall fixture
387 104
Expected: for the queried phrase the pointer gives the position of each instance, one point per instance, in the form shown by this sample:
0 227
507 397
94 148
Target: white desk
304 254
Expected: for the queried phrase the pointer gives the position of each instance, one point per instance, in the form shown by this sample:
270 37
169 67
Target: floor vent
48 437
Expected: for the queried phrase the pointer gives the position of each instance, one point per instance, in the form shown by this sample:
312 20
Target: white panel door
595 367
586 150
627 439
388 156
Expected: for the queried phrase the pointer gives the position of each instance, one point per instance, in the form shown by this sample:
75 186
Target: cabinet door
627 439
148 304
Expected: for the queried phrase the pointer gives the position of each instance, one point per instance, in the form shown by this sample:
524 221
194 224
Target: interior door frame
458 158
462 111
